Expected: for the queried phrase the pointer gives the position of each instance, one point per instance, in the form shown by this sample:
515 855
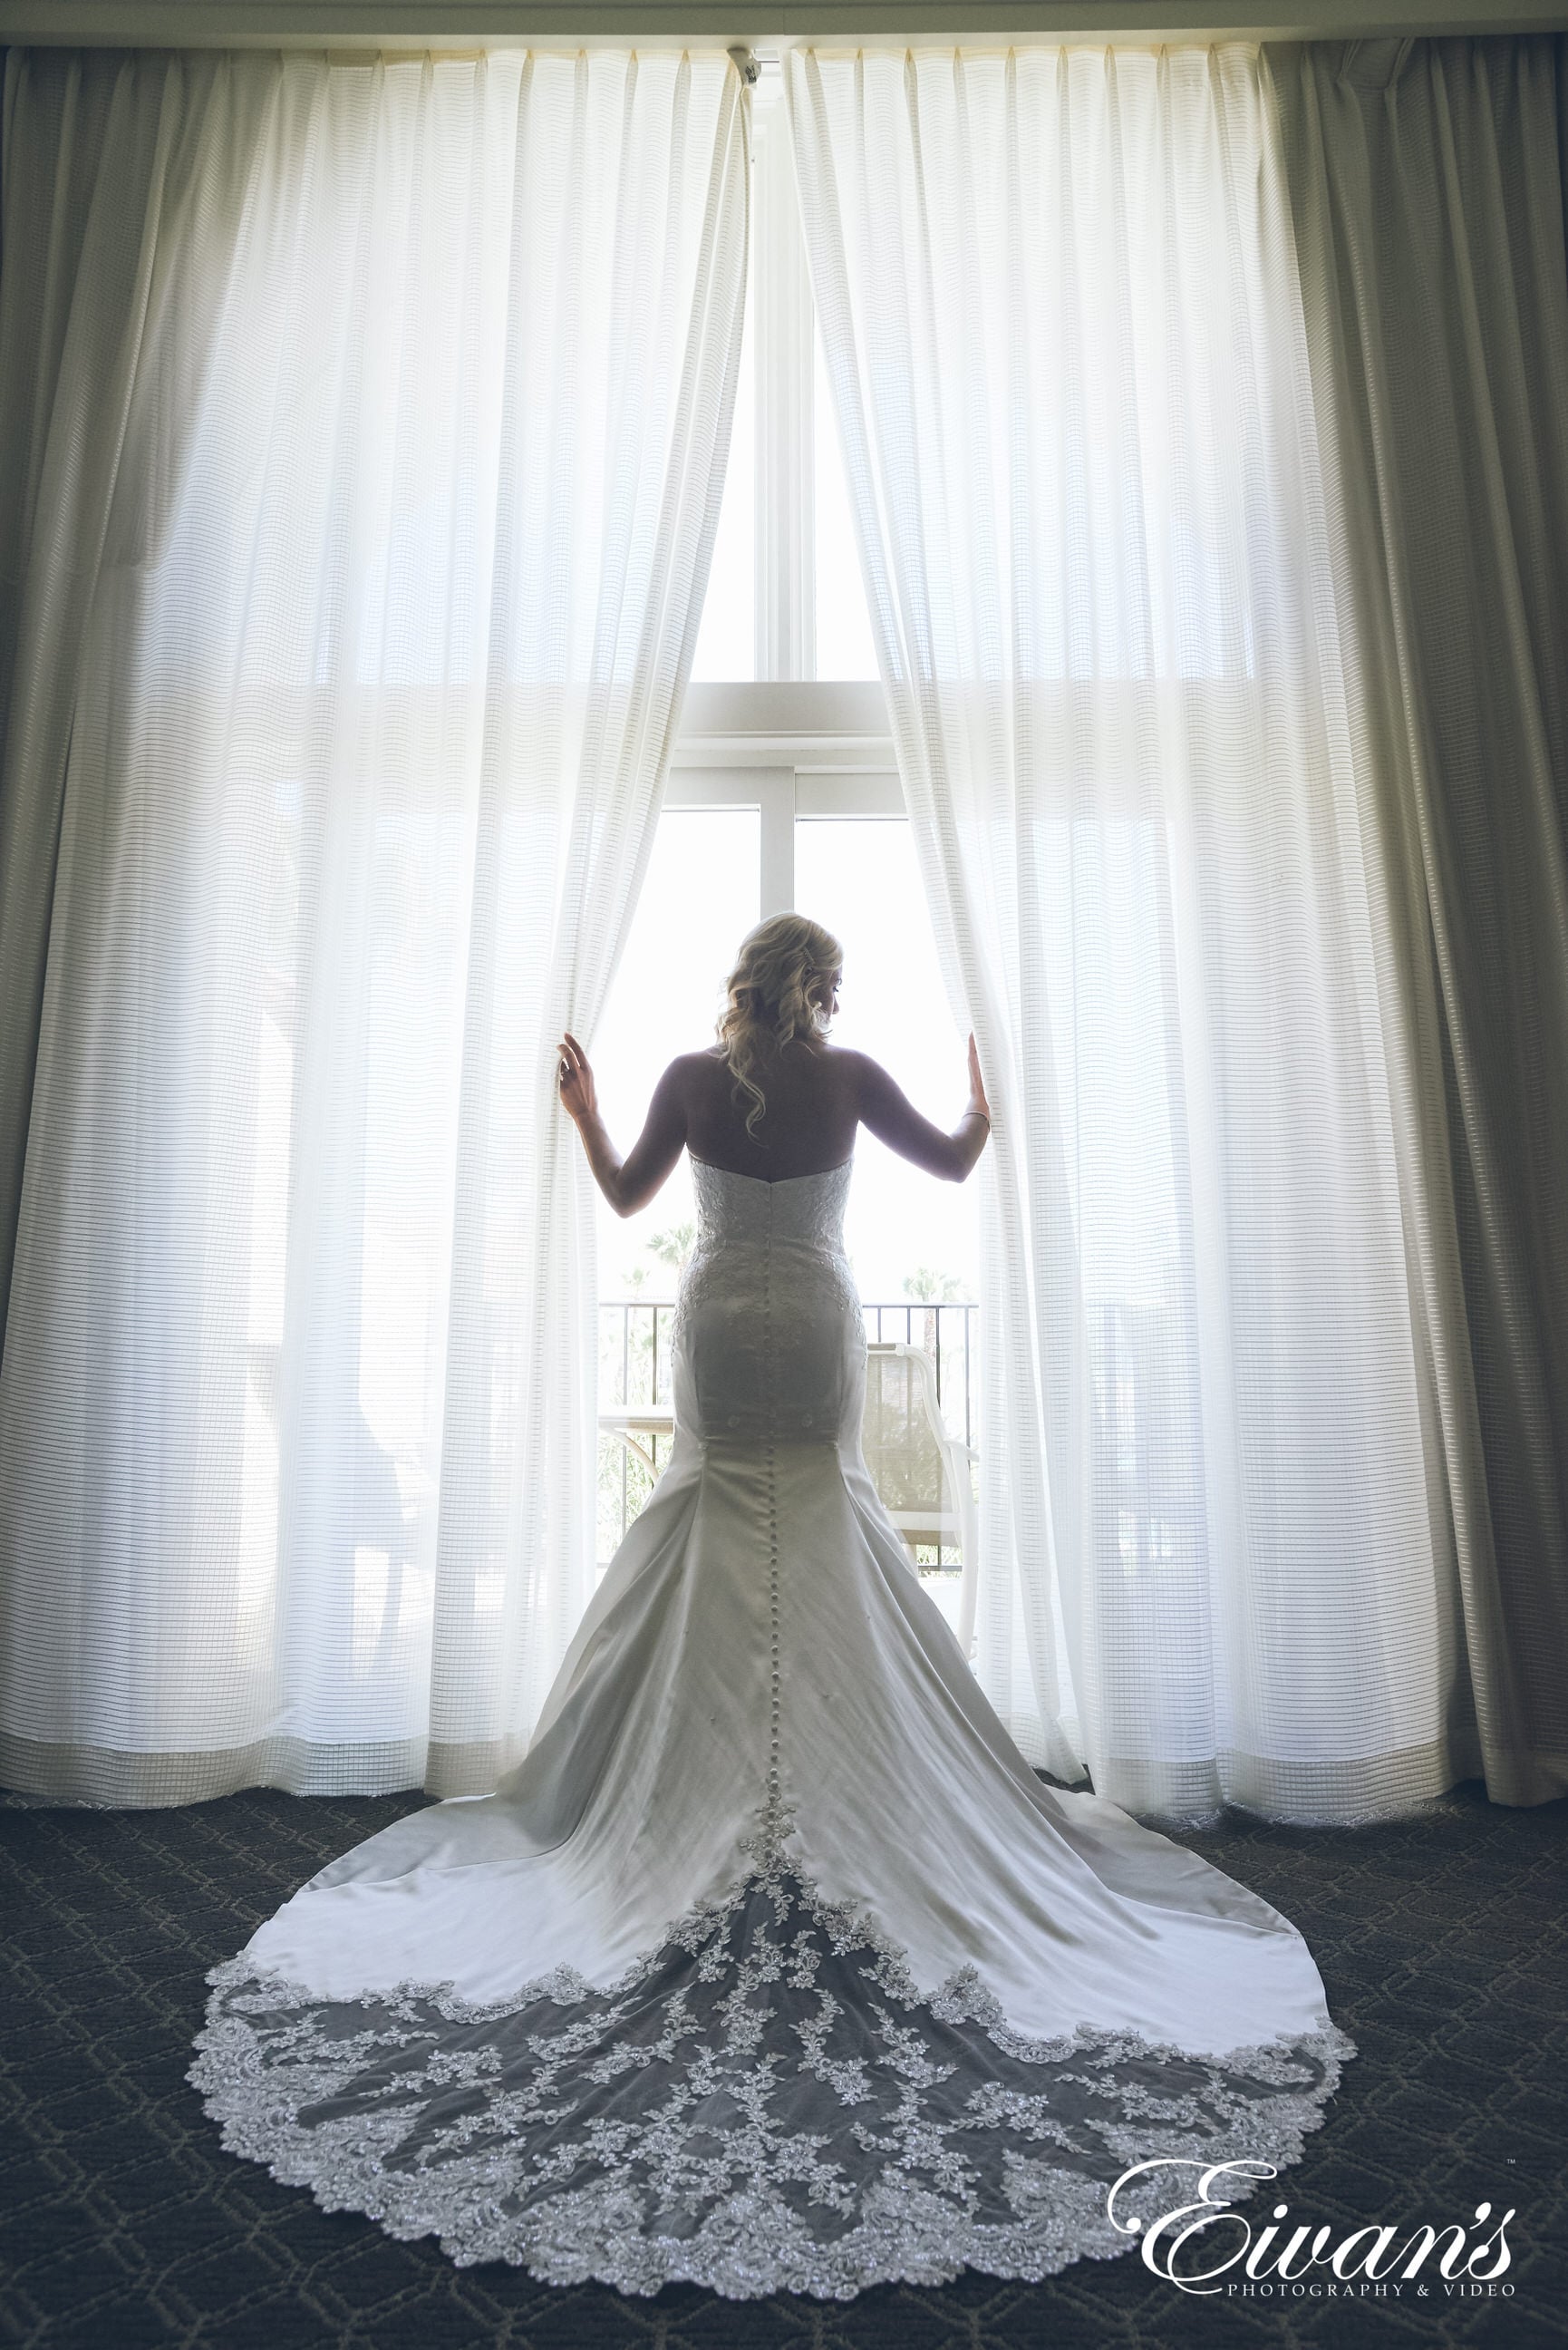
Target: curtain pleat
1428 187
363 426
1063 330
105 331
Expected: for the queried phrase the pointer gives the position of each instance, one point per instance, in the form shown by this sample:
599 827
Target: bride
772 1966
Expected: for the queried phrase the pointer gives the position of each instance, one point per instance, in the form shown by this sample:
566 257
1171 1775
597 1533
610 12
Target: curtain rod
465 28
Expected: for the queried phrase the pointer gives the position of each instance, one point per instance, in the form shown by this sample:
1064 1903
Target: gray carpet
1442 1942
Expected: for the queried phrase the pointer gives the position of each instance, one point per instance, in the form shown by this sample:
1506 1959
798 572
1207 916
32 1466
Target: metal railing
636 1398
1142 1435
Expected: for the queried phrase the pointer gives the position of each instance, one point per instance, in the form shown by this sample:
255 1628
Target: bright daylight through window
777 800
786 540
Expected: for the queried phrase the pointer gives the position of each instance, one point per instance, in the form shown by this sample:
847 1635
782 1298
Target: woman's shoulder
688 1073
855 1069
682 1081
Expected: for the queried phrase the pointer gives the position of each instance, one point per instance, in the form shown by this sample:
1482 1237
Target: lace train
759 1697
765 2103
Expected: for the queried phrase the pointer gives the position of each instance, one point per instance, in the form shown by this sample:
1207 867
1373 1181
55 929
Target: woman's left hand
577 1081
977 1101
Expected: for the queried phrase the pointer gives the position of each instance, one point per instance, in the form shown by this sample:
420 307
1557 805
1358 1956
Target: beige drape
1427 188
109 299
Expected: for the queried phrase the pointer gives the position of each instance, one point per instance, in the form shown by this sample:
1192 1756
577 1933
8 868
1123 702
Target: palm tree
674 1247
932 1288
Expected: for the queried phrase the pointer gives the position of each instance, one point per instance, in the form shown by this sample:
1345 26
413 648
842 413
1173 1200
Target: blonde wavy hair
777 995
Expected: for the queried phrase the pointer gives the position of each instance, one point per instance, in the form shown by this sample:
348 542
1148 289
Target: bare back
812 1098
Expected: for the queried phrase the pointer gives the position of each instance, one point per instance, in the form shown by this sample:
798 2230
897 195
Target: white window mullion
840 795
783 330
772 792
776 793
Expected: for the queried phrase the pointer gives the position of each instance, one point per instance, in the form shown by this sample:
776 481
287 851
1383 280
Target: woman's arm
893 1118
627 1183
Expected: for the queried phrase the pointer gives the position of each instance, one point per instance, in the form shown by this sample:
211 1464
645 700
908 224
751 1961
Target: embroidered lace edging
763 2104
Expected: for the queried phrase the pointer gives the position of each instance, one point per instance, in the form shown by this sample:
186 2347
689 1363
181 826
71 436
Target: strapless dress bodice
769 1342
748 1211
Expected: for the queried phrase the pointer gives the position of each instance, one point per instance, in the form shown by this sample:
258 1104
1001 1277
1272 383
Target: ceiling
448 24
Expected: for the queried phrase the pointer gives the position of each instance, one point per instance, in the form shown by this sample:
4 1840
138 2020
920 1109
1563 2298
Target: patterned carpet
1442 1942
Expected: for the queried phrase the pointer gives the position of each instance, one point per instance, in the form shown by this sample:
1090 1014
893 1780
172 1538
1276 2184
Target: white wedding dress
772 1966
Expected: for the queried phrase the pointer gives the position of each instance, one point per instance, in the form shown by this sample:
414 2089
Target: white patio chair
919 1469
628 1426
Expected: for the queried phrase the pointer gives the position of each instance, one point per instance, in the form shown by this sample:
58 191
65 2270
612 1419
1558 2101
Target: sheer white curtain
1063 330
368 422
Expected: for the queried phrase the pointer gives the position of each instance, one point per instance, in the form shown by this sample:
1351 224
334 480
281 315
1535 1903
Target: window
851 865
782 793
906 1236
844 644
700 896
785 599
735 842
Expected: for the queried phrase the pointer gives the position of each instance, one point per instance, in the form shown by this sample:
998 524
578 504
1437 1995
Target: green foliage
675 1246
932 1287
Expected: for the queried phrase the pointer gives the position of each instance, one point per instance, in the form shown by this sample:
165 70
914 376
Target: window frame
785 742
782 387
792 750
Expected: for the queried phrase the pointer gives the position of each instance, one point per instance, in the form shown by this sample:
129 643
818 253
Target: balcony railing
636 1398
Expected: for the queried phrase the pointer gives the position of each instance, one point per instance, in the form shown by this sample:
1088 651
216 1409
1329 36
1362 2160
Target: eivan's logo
1228 2256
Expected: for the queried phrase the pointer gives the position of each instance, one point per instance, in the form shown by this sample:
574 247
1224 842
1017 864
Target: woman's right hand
577 1081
